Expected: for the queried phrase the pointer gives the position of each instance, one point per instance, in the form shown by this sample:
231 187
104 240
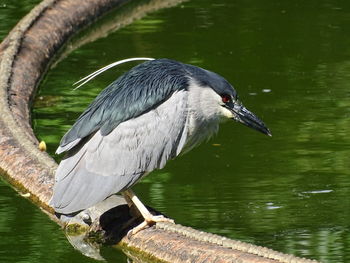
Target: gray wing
132 94
104 165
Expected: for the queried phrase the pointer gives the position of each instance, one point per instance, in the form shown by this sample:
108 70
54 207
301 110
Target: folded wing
101 165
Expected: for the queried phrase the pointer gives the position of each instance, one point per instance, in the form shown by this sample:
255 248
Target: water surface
289 62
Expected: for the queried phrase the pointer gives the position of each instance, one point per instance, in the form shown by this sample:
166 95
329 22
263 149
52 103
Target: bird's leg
150 219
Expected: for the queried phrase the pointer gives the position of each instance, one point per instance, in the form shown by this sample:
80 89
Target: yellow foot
149 221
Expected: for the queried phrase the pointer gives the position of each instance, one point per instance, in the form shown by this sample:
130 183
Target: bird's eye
225 98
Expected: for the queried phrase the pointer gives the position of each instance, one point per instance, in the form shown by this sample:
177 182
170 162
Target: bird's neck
203 115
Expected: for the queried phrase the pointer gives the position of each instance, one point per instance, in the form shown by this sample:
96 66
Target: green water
289 62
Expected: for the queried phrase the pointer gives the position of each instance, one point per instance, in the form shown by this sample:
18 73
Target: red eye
225 98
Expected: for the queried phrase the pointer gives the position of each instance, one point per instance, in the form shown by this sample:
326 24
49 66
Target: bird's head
225 99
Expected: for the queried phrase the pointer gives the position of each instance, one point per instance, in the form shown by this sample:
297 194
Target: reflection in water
290 63
120 18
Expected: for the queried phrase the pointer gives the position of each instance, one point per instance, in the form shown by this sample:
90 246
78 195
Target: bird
154 112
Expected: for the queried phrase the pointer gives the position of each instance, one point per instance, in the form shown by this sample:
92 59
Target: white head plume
101 70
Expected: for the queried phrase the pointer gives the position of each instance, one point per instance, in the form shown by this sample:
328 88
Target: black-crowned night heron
149 115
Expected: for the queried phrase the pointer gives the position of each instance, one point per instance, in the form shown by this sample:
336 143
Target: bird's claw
149 222
159 218
137 229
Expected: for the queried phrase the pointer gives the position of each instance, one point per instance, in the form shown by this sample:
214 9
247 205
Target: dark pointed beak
243 115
